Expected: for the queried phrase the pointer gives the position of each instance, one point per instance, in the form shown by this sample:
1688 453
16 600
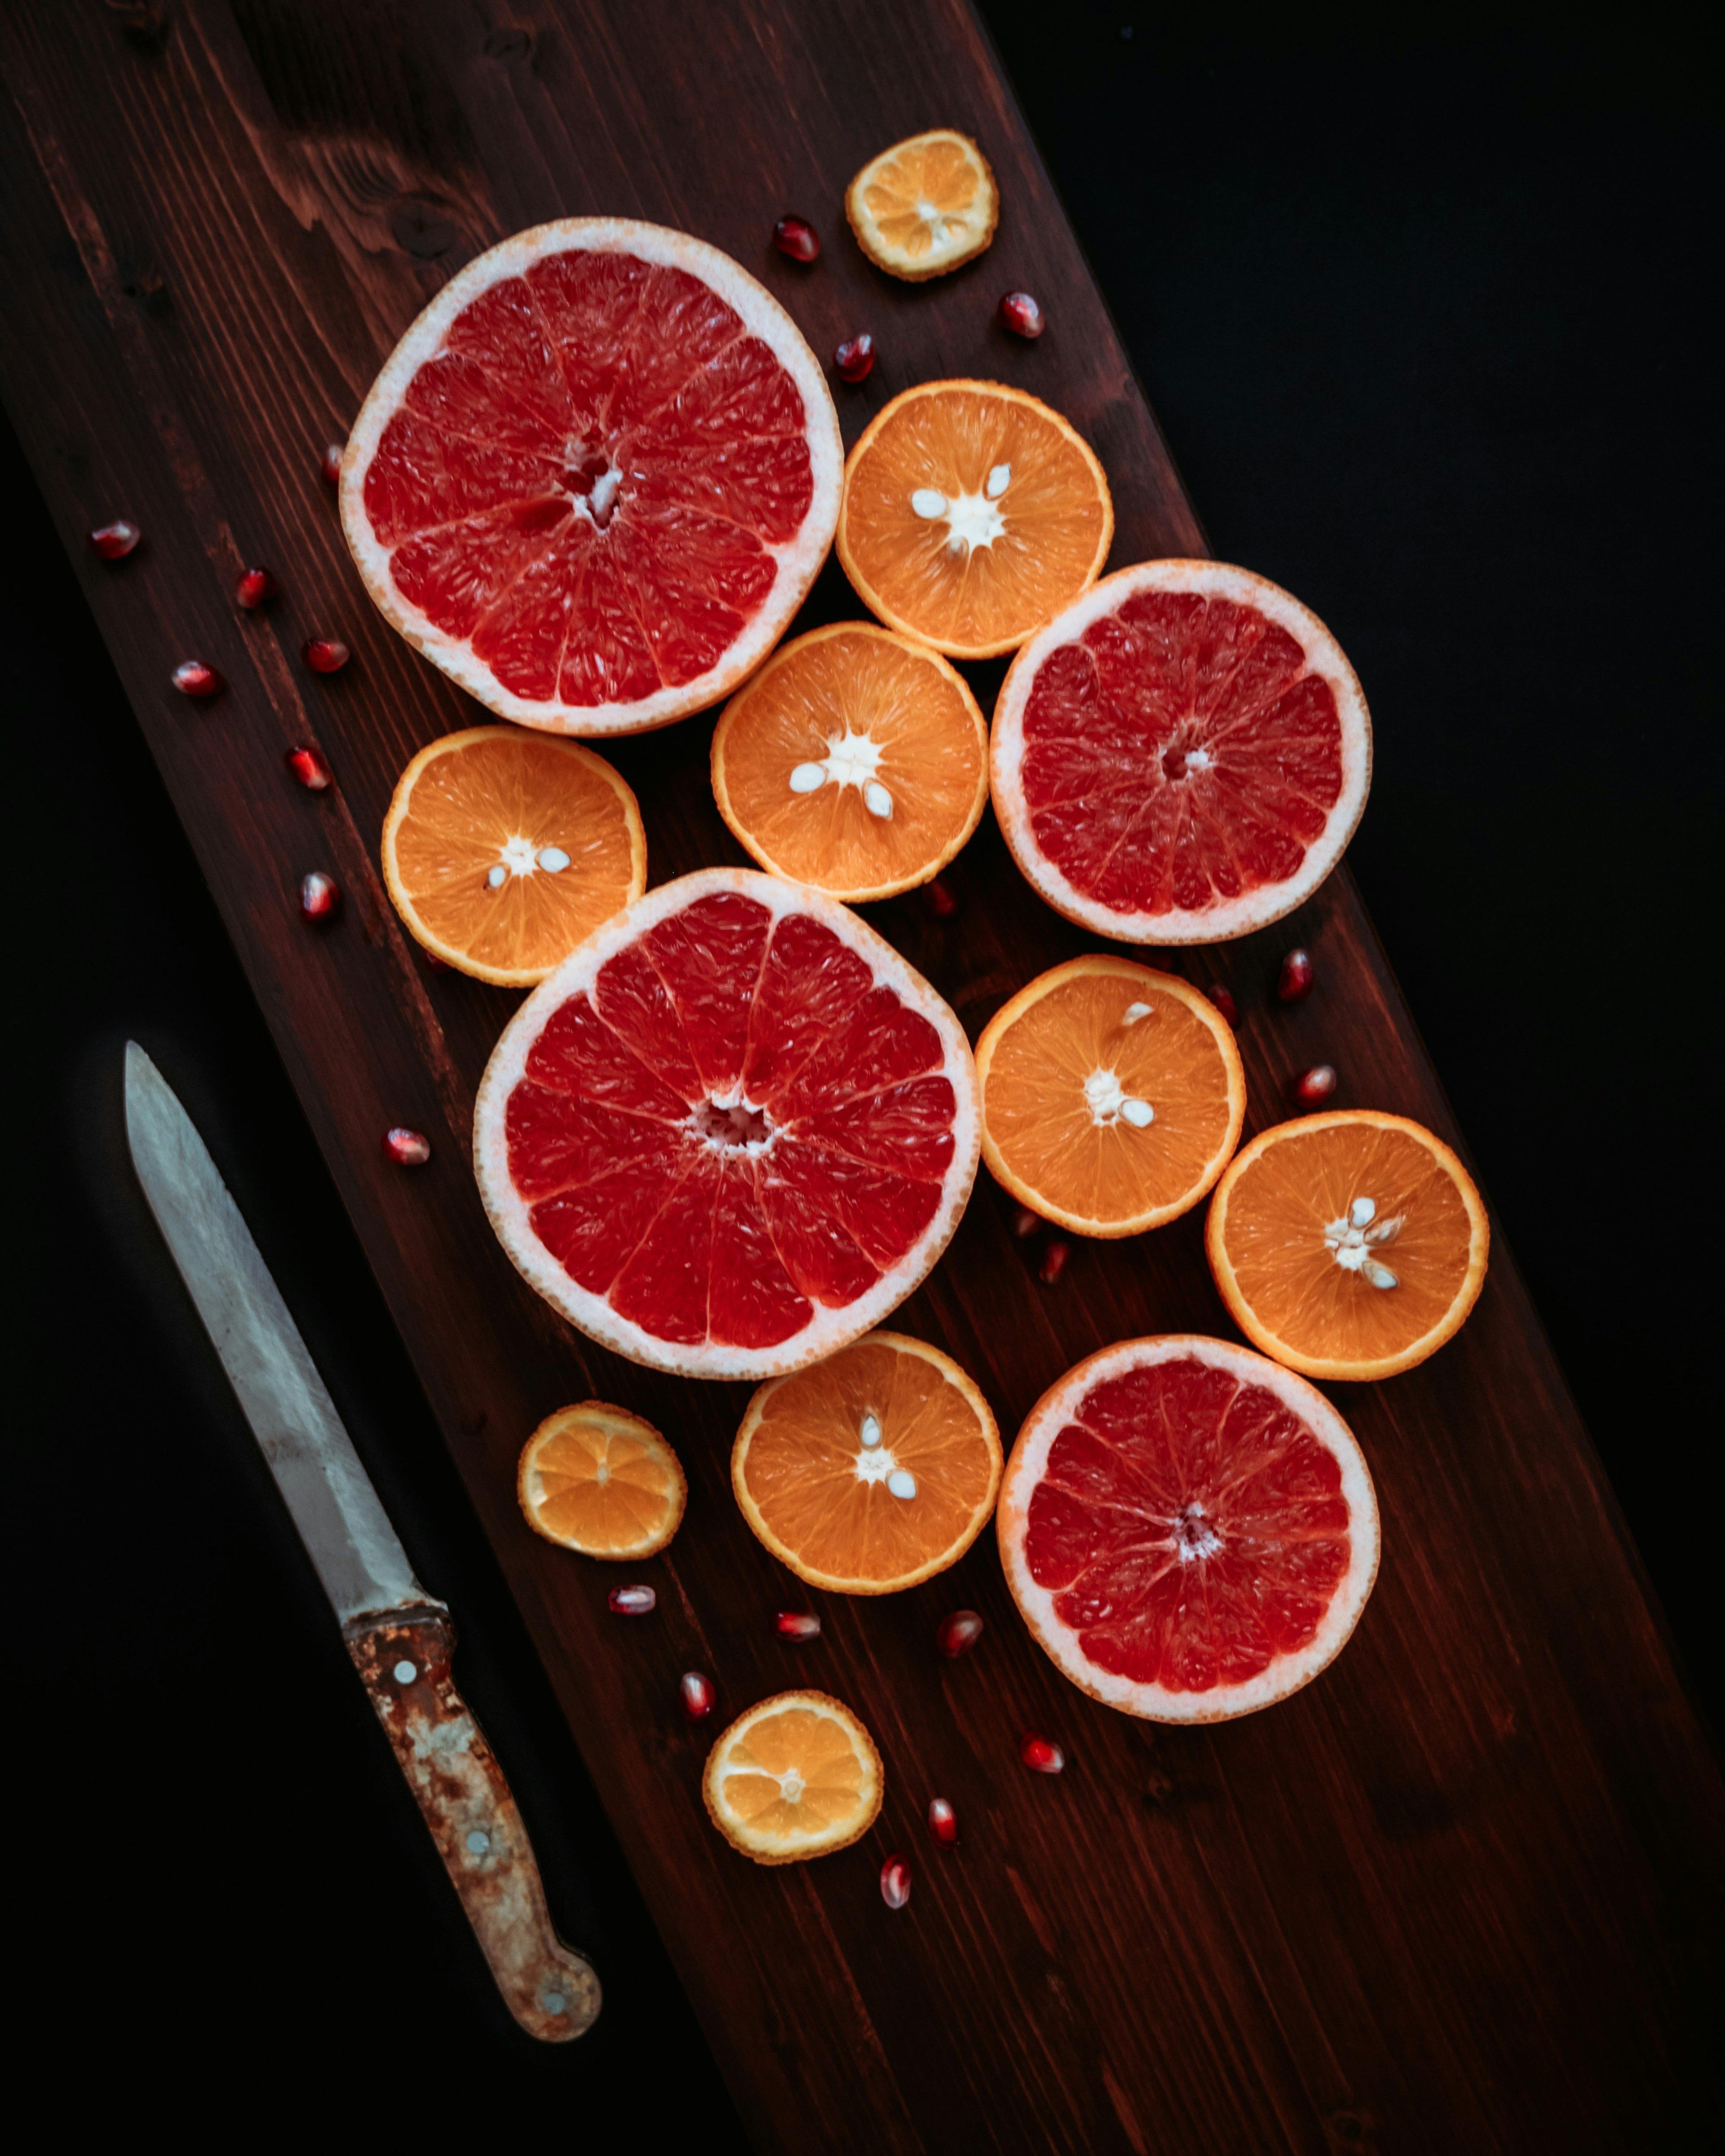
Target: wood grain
1462 1892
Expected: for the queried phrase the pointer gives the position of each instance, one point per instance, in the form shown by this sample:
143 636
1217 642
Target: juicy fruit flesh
599 1484
1179 754
1190 1527
927 200
792 1774
697 1222
586 483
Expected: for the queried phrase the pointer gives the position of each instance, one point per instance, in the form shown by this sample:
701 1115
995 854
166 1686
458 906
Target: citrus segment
970 514
1190 1531
871 1470
855 760
731 1133
924 206
599 1480
1113 1095
596 477
1180 756
502 850
1347 1245
797 1776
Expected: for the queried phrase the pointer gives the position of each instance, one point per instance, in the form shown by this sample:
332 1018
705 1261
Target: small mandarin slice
924 206
1113 1095
797 1776
871 1470
599 1480
1347 1245
855 760
503 850
972 514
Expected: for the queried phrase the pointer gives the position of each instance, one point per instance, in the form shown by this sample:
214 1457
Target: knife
399 1637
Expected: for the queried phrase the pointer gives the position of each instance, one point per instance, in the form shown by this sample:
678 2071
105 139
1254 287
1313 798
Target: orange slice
924 206
1347 1245
797 1776
504 850
599 1480
855 760
870 1471
1113 1095
971 515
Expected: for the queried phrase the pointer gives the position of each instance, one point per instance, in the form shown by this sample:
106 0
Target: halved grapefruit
729 1133
1189 1530
1181 755
596 476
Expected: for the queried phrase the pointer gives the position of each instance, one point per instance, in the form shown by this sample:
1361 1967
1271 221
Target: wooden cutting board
1459 1893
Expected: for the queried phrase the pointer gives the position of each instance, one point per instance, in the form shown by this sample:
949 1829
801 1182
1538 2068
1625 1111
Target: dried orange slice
924 206
870 1471
971 515
855 760
503 850
599 1480
797 1776
1347 1245
1113 1095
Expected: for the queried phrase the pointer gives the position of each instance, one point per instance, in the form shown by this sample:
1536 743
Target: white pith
797 562
1230 917
1025 1470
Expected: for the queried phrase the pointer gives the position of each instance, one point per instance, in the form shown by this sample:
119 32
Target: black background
1422 305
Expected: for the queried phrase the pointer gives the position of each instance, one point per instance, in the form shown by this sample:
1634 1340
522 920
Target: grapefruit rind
880 252
1287 1673
622 1421
1231 917
834 1583
1201 1008
829 1328
1327 1368
797 563
874 1789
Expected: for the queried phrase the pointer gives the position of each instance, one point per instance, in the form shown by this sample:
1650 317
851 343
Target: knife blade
399 1637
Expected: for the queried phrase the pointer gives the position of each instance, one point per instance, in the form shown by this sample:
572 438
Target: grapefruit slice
796 1776
1181 755
924 206
1348 1245
599 1479
596 476
729 1133
1189 1531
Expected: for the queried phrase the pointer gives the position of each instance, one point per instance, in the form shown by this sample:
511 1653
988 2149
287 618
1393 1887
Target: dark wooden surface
1461 1892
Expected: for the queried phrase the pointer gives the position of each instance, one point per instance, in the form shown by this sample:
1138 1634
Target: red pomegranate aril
957 1633
1295 979
310 766
406 1148
696 1693
632 1601
193 677
855 357
1041 1757
797 237
942 1822
329 464
1020 314
1316 1085
115 542
1223 999
1025 1223
894 1882
796 1624
255 587
1054 1262
942 904
320 895
325 654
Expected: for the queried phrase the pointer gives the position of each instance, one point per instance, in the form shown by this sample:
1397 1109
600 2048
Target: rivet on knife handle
403 1657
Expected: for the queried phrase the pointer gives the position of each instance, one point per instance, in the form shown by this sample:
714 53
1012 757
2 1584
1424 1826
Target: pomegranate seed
406 1148
943 1821
330 464
437 965
1020 314
1054 1262
320 895
1025 1223
632 1601
325 654
1315 1084
796 1624
957 1633
894 1882
253 588
942 904
797 237
193 678
695 1692
854 358
1041 1757
1224 1002
309 766
115 542
1295 980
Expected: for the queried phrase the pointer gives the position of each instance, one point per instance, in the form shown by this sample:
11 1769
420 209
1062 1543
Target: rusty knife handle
403 1662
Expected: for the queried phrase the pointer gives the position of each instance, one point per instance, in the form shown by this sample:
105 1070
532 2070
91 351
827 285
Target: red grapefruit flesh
596 478
1181 755
731 1133
1189 1529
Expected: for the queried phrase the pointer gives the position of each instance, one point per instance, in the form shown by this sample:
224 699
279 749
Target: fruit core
593 478
1352 1240
875 1462
1110 1103
733 1127
972 520
852 759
